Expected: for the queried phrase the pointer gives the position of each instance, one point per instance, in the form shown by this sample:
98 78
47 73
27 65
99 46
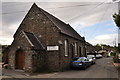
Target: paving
103 68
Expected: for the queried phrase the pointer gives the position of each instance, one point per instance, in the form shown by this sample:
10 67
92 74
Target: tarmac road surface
102 69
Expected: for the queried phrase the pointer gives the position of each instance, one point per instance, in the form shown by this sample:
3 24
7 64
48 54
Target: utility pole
119 7
119 28
118 1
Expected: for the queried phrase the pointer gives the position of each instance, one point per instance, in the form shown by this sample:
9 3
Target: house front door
19 60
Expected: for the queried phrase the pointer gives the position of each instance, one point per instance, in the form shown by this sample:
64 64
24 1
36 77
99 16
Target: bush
116 59
112 54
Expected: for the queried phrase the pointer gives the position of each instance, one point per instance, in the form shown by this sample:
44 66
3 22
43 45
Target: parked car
80 62
98 56
92 58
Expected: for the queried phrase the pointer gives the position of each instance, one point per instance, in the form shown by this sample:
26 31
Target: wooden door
19 60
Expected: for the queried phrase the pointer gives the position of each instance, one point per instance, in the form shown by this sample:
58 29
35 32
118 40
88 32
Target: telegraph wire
96 28
22 4
46 8
114 42
53 7
14 12
38 3
75 6
86 11
58 7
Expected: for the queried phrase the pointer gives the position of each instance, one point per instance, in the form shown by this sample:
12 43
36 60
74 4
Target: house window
79 51
66 47
76 48
82 51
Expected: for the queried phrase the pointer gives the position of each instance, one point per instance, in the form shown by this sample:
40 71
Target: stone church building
44 43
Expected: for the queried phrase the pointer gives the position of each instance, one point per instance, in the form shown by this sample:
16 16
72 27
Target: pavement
103 68
117 65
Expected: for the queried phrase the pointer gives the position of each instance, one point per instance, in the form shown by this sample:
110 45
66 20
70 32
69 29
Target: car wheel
84 68
92 63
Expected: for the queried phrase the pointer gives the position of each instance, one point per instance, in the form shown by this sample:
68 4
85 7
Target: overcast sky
90 19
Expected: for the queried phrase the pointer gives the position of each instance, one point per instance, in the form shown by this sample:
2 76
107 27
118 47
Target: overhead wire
21 4
108 8
66 7
96 28
46 8
74 6
85 12
13 12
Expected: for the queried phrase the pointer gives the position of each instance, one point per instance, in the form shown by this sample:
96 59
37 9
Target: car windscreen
81 59
90 56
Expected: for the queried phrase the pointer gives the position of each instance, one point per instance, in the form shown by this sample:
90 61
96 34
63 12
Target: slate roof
34 40
64 28
88 44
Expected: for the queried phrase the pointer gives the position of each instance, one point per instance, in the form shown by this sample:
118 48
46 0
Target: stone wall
49 35
36 22
21 42
65 60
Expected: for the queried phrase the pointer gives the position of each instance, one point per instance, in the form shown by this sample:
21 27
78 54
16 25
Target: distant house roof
64 28
103 51
34 41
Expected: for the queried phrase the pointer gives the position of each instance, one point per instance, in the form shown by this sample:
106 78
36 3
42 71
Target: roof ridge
58 24
44 11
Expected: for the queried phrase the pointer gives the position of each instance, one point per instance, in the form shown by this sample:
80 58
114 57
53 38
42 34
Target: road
102 69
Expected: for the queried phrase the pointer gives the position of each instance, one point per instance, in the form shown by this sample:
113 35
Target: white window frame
66 47
76 49
82 50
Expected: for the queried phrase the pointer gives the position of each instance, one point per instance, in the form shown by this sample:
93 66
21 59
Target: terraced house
44 43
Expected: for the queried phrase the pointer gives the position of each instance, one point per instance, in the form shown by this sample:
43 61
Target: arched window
76 48
66 47
80 51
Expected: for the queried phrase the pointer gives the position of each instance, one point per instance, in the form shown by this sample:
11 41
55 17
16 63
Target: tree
97 47
117 19
106 46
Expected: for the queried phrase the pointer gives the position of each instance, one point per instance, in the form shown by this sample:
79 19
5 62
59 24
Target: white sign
52 48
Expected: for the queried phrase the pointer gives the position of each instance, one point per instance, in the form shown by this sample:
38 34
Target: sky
93 20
